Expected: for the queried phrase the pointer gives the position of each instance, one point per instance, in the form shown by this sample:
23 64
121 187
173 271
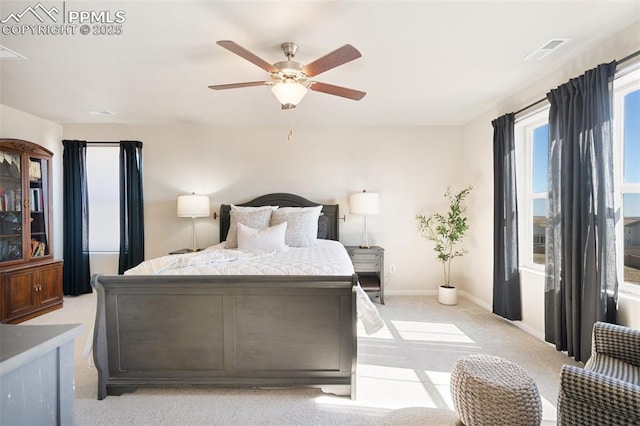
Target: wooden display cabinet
30 279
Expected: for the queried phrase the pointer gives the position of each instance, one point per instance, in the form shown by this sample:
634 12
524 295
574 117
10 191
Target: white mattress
326 257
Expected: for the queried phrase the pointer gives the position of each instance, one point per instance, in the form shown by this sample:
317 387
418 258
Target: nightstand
369 265
185 251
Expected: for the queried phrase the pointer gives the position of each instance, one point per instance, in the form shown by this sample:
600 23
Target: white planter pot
447 295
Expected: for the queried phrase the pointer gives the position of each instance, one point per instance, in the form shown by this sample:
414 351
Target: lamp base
365 236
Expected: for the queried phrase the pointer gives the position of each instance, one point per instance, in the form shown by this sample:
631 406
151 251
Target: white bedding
326 257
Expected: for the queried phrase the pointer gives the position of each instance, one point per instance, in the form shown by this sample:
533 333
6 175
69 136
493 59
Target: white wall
409 166
478 168
16 124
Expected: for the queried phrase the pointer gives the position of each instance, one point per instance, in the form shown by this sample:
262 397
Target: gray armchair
607 390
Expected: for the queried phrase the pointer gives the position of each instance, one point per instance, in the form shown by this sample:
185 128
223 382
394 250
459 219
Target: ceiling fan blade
244 53
237 85
331 60
356 95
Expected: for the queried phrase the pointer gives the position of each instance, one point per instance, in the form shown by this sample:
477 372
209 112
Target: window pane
540 158
539 229
631 209
103 186
632 137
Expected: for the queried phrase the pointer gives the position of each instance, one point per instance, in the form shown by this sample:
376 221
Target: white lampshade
193 205
289 92
364 202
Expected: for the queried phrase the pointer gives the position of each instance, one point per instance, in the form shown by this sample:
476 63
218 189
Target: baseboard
434 292
529 330
484 305
411 292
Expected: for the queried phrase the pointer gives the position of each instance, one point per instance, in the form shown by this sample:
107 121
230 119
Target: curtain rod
89 143
114 143
107 143
102 143
539 101
99 142
629 57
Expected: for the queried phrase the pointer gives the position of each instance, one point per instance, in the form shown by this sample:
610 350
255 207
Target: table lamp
193 206
364 203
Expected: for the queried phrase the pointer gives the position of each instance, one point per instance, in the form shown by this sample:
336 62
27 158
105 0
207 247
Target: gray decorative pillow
302 224
257 219
323 227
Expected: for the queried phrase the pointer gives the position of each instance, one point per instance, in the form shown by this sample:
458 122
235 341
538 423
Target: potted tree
447 231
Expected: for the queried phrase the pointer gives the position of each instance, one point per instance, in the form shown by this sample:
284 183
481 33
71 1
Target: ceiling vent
6 53
546 49
105 112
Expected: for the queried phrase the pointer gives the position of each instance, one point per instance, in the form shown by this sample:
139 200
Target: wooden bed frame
231 331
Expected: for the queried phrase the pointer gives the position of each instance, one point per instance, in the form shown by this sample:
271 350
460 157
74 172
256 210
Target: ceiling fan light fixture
289 79
289 92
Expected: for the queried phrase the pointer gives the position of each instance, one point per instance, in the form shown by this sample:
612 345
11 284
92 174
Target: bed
173 322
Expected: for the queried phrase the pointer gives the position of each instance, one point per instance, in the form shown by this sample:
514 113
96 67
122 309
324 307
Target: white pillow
302 224
271 238
254 218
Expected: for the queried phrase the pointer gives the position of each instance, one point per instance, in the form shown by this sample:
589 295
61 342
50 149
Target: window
538 199
627 169
103 187
532 152
531 134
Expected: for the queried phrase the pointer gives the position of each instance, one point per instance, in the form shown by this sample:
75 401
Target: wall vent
546 49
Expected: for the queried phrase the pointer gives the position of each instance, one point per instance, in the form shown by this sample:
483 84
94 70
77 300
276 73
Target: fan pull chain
290 135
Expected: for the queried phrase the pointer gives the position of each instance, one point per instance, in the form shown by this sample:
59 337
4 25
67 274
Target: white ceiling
423 62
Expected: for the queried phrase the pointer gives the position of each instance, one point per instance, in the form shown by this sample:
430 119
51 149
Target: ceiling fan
289 79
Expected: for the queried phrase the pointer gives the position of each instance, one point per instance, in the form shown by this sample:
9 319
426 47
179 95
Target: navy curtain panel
581 285
506 277
131 206
75 219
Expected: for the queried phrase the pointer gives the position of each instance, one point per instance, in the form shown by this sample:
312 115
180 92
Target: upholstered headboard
327 223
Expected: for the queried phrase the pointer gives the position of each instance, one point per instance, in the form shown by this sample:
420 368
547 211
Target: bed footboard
231 331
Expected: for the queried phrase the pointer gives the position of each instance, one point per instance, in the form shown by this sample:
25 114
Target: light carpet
402 375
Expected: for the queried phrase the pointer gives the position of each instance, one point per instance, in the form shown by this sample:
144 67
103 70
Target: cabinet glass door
10 206
38 203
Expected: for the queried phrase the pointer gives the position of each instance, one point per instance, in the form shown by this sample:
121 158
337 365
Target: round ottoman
488 390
